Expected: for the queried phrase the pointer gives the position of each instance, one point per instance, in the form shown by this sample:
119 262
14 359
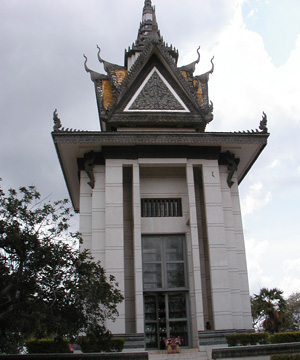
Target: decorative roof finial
99 57
147 7
94 75
148 27
263 124
197 61
107 65
148 32
56 120
85 64
192 66
212 65
147 4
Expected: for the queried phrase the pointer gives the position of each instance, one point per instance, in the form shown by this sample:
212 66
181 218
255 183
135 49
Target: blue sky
256 45
278 22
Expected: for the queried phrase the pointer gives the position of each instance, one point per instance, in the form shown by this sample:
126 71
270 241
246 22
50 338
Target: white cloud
292 265
252 13
291 279
275 163
243 82
256 251
255 199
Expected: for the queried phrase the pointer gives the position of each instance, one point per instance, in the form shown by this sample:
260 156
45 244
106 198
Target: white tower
158 195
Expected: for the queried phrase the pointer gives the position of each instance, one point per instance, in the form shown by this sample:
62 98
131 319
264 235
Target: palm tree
268 309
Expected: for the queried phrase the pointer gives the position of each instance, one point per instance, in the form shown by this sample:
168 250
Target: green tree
47 286
269 310
293 306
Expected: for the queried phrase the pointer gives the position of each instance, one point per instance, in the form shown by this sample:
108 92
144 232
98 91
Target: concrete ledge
98 356
133 341
214 337
255 350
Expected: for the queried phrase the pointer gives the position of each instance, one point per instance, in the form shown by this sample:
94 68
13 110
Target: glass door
165 290
165 316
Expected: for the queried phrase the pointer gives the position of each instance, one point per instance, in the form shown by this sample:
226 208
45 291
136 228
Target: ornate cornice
155 118
155 138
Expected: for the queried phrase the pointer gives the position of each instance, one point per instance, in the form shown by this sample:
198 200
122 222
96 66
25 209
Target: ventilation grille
161 207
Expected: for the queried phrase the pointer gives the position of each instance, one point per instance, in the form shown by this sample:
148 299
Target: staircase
186 354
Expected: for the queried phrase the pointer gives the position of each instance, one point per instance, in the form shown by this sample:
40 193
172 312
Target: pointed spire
155 34
147 10
148 27
148 32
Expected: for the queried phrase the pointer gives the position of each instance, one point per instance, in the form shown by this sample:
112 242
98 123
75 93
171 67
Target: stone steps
189 354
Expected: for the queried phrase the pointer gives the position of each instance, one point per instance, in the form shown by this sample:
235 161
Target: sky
256 45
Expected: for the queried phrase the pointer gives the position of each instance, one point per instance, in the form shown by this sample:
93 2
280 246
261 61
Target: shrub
246 339
285 357
46 346
117 344
102 344
285 337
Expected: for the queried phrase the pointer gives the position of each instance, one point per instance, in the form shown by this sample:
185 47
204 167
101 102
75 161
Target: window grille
161 207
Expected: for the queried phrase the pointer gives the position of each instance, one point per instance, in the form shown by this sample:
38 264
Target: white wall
101 224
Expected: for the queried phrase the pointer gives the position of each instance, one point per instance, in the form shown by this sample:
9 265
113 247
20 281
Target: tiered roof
177 97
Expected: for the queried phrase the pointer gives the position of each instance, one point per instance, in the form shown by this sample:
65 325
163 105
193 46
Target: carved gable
156 94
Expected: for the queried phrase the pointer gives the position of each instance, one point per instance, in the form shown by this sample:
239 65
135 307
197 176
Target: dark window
161 207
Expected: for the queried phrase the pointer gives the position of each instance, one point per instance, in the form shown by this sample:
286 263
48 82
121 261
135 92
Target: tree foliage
47 286
269 310
293 306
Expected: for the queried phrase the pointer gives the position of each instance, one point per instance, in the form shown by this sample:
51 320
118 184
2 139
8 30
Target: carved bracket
232 162
89 162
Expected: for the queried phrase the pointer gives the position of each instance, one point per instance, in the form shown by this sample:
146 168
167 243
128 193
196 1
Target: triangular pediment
155 94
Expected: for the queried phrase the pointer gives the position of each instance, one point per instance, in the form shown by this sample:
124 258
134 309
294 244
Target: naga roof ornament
192 66
107 65
56 120
263 123
94 75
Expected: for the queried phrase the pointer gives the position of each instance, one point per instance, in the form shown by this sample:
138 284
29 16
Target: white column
233 266
137 238
98 215
195 246
220 288
241 257
114 234
85 220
